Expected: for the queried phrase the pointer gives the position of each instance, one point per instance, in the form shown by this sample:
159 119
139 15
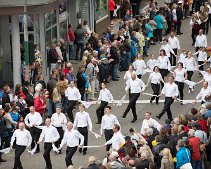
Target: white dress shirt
201 41
190 64
181 59
34 119
72 138
207 78
163 62
116 140
168 50
105 95
170 90
58 120
203 93
108 121
146 123
22 137
151 63
139 66
50 134
82 119
155 78
72 93
174 42
202 56
127 75
180 75
135 86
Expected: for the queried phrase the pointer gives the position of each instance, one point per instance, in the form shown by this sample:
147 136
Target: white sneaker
192 89
188 90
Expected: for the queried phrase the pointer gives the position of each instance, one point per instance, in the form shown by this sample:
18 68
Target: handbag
187 165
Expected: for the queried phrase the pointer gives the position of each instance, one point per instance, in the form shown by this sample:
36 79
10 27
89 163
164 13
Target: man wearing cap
179 17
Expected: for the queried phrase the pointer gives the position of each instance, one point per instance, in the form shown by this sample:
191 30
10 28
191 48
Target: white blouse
180 75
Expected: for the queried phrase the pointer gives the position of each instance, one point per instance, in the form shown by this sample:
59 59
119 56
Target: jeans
64 104
93 88
50 107
79 48
71 52
159 34
115 68
196 164
124 62
128 56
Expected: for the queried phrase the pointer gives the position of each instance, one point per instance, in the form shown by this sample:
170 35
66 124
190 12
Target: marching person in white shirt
50 136
59 120
151 62
190 66
207 77
136 86
201 40
168 49
170 90
202 58
23 139
180 75
182 57
139 66
32 120
117 139
73 95
71 138
205 91
105 97
128 73
155 78
108 121
174 43
147 122
82 122
164 64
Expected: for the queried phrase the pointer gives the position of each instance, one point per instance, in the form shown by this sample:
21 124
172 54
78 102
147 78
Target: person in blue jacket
183 154
160 25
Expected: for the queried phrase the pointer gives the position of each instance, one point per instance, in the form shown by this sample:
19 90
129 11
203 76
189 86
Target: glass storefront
101 9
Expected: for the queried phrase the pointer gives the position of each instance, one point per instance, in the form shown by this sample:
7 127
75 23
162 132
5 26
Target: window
101 7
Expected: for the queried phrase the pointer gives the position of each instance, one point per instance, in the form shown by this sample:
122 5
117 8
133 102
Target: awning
16 3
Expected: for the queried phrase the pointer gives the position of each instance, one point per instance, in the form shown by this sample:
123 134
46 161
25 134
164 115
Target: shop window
101 7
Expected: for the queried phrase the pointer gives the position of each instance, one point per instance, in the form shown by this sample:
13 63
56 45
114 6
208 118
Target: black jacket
156 152
5 99
144 164
114 55
29 100
93 166
179 13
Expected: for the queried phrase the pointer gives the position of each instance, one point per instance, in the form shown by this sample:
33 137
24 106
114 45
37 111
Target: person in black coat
179 12
30 97
181 132
81 83
144 162
25 87
5 96
115 60
93 41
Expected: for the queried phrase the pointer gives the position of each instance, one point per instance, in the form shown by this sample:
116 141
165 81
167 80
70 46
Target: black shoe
115 79
98 123
2 160
80 150
84 152
123 116
151 101
157 103
37 151
158 117
133 121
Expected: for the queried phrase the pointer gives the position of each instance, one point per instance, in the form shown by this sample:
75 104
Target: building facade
45 22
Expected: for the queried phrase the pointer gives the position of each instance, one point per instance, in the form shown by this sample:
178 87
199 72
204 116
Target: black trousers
108 135
84 132
163 72
70 106
46 155
100 110
166 108
61 134
156 91
159 34
179 23
173 59
35 133
69 154
18 152
194 33
190 74
180 88
132 105
201 67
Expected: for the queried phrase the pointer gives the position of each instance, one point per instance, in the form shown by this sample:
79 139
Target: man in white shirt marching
205 91
50 136
117 139
147 122
105 97
72 138
201 40
108 121
73 95
23 139
82 122
136 86
59 120
32 120
170 90
175 45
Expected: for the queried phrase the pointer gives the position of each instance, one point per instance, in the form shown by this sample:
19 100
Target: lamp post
26 43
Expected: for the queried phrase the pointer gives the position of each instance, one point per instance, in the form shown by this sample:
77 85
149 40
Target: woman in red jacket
112 7
18 91
40 103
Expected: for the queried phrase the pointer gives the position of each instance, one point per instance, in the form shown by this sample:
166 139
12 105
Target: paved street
117 89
